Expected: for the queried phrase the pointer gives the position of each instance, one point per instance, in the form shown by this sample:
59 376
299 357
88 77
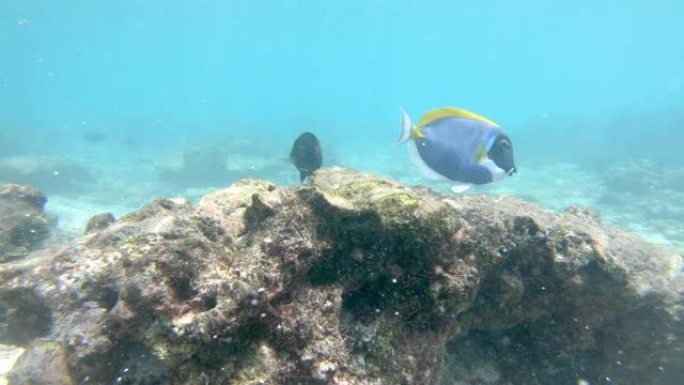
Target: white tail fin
406 127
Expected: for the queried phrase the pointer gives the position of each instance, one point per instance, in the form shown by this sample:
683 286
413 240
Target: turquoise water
106 105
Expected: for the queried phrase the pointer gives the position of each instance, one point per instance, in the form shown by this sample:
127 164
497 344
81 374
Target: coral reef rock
350 279
23 223
99 222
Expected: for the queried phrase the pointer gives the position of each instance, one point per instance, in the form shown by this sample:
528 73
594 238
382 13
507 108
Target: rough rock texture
23 224
99 222
351 279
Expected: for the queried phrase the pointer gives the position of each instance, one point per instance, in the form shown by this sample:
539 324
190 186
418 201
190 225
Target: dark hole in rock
526 225
23 317
366 303
330 268
326 272
182 288
238 348
208 303
107 297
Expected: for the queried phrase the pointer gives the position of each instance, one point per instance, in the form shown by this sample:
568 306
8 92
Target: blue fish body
450 147
460 146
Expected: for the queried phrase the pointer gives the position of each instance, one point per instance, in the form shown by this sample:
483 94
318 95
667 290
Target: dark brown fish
306 155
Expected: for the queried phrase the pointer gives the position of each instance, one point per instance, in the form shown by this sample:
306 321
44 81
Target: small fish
94 136
457 145
306 155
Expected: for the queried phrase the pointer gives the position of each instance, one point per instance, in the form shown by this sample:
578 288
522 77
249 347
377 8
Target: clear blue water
101 100
106 105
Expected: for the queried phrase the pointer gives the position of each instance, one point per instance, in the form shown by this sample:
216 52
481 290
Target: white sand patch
8 357
74 212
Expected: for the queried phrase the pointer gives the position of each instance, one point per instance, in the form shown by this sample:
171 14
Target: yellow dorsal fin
450 112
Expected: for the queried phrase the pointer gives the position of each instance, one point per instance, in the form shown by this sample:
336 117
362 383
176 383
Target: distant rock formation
23 224
50 175
207 165
99 222
202 166
351 279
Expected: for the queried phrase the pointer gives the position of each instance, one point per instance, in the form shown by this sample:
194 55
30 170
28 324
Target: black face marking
502 154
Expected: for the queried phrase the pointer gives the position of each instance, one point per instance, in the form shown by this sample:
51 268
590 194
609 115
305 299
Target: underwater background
107 105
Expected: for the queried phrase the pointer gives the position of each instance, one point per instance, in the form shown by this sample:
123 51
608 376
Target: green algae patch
349 279
377 343
363 189
393 204
389 246
255 184
239 194
259 365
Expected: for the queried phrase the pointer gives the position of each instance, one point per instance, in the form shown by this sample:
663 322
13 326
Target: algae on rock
350 279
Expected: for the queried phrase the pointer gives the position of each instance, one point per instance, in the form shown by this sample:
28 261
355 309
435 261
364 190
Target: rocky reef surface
351 279
24 225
